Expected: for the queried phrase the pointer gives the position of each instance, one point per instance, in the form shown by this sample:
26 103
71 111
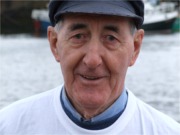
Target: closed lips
91 77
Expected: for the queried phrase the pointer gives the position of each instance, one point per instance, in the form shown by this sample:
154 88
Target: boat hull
176 25
159 26
44 25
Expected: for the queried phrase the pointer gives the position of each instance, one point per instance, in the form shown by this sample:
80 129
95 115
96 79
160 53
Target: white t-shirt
43 115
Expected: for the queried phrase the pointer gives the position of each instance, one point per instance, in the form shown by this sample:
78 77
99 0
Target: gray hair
58 26
133 28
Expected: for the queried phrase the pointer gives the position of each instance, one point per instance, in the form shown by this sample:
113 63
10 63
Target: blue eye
79 36
79 39
111 41
111 38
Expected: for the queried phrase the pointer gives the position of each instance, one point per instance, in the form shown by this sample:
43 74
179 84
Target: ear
138 38
52 37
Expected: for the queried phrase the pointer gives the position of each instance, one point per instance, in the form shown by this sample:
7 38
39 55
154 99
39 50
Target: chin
93 101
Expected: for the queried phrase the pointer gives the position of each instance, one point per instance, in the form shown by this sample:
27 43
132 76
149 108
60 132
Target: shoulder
14 115
154 119
33 100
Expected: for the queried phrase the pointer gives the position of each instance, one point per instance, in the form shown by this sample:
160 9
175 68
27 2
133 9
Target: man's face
94 53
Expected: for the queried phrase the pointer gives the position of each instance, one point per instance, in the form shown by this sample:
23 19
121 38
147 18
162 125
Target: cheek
69 61
118 64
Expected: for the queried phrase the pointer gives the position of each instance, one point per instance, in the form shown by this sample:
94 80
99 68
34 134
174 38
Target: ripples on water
27 67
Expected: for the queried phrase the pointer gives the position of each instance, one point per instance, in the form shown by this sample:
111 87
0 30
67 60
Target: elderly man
95 42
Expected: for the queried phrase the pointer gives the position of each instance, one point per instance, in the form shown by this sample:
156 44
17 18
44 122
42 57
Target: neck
90 112
86 120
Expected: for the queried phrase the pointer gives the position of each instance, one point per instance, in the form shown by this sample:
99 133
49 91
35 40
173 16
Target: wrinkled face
94 53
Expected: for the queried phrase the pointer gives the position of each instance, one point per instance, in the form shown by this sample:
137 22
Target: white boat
160 17
41 20
157 18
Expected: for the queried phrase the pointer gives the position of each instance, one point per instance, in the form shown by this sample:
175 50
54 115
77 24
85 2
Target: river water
27 67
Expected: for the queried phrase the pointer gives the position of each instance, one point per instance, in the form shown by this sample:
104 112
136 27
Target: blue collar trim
108 117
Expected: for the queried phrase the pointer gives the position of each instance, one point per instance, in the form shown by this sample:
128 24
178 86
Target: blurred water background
27 67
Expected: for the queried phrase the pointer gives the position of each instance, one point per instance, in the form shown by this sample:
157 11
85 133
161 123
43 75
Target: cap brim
105 8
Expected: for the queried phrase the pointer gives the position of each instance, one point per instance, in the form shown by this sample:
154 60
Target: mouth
91 78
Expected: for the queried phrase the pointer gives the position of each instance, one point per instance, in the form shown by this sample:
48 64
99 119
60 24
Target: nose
93 57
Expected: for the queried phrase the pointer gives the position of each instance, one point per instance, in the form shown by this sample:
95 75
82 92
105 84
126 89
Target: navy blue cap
124 8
